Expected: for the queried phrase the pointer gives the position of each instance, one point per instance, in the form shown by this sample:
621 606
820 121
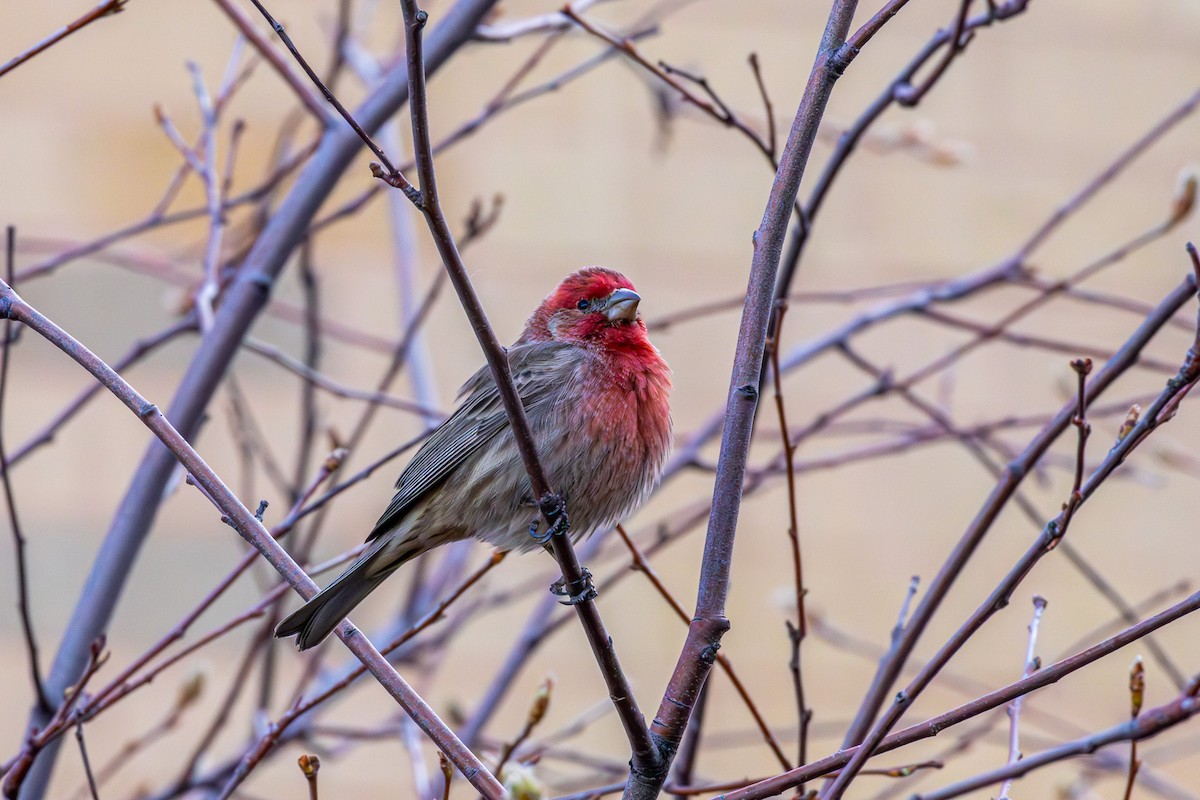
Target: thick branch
706 630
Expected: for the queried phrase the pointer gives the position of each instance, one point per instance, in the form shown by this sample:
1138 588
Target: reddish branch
99 12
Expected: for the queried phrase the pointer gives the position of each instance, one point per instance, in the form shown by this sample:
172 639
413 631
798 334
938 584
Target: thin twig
909 95
1151 722
537 710
87 764
799 629
295 83
769 110
1137 694
8 333
642 565
206 295
1032 663
99 12
713 106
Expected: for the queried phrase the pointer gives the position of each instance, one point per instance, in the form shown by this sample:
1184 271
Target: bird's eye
583 304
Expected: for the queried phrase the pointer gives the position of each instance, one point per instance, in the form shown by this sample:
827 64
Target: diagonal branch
253 531
1160 411
244 300
99 12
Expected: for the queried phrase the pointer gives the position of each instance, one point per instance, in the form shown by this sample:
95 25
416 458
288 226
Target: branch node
840 58
146 409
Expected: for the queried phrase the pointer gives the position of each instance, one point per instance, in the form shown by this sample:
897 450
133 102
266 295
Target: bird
596 395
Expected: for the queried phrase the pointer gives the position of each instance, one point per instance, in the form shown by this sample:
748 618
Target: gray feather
538 369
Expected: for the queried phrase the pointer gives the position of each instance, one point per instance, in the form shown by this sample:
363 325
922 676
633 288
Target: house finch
595 393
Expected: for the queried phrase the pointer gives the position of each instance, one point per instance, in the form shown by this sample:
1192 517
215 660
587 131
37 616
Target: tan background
1036 107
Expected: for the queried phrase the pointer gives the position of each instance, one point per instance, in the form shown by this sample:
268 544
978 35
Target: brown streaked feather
538 369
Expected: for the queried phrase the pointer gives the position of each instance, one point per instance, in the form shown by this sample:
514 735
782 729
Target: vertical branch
689 748
312 359
797 631
705 632
404 243
310 765
1032 663
551 505
206 168
31 648
1137 693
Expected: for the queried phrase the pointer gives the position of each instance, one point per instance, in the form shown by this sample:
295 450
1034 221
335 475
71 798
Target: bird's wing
538 369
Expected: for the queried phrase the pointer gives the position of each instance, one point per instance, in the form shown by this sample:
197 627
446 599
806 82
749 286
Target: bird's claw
554 507
541 538
575 592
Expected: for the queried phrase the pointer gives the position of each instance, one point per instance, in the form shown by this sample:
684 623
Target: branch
10 502
1148 724
1160 411
251 529
552 507
886 676
1032 663
243 301
1128 354
709 624
99 12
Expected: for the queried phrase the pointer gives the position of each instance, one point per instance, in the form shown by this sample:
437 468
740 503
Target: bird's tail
327 608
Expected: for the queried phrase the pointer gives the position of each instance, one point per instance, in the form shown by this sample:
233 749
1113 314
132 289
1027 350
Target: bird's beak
622 305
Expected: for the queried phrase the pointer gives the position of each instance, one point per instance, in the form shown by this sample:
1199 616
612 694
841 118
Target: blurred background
609 170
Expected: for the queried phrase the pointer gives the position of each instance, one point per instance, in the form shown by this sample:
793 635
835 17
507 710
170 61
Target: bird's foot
575 592
554 508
